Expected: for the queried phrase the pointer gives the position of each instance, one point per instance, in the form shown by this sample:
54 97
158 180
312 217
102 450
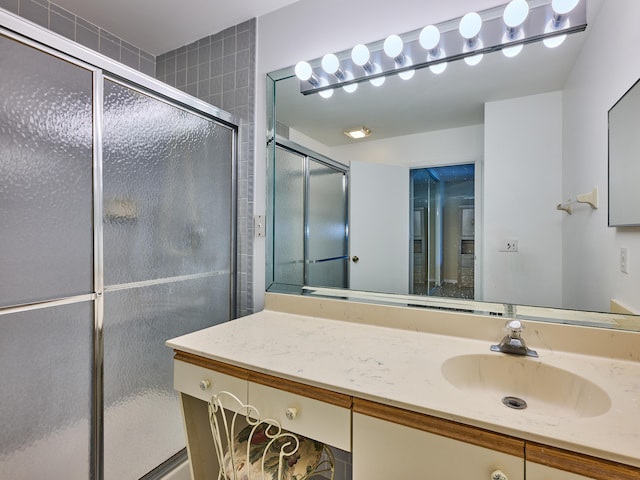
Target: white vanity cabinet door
535 471
316 419
383 450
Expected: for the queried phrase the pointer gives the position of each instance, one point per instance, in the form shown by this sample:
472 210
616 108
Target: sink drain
515 403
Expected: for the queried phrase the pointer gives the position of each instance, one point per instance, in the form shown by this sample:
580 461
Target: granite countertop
402 368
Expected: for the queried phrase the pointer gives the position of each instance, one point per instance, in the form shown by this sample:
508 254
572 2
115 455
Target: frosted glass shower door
168 264
288 217
46 265
46 154
327 226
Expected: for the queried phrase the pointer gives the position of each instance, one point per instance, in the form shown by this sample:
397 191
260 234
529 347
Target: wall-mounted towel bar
591 198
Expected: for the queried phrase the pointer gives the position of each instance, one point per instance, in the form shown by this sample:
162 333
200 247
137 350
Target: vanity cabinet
394 443
319 419
535 471
385 441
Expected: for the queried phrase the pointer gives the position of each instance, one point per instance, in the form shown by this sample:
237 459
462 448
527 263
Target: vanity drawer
201 383
316 419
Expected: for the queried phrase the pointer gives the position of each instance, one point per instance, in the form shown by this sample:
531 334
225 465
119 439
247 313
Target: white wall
607 67
308 29
523 139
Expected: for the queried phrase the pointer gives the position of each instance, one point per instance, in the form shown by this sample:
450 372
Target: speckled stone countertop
402 366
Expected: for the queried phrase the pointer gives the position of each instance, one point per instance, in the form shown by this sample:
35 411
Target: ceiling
163 25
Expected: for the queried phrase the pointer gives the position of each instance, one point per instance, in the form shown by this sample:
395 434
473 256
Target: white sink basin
547 390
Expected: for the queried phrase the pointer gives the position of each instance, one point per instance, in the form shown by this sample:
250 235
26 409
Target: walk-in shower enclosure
117 232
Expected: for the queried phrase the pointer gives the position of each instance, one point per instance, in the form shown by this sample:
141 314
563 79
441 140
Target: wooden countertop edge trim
580 464
327 396
446 428
214 365
315 393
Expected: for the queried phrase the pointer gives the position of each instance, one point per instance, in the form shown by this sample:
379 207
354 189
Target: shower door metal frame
308 154
100 66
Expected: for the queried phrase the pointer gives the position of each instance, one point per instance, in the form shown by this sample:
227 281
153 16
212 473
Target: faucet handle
514 328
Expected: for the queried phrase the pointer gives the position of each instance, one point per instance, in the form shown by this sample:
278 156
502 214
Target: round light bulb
438 68
352 87
429 37
564 6
377 82
360 54
303 71
553 42
325 93
470 25
473 60
330 63
393 46
511 52
515 13
407 74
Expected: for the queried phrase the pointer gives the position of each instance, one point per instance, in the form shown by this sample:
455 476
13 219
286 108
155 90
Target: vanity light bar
541 23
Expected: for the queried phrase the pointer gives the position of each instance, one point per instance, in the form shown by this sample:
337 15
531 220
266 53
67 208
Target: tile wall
65 23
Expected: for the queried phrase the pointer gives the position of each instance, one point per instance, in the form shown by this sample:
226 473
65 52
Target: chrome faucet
512 342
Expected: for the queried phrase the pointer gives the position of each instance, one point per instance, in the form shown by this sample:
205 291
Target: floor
448 290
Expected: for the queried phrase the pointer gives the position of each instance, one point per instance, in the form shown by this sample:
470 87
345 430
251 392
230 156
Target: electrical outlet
624 260
509 246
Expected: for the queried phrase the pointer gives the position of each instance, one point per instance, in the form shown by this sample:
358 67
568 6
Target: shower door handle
355 259
331 259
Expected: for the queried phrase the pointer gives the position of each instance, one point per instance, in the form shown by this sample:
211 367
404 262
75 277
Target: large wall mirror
624 166
452 197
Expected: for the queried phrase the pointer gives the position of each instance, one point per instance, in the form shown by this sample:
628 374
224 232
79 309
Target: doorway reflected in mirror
443 248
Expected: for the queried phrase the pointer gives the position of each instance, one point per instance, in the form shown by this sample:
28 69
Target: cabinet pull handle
291 413
204 384
498 475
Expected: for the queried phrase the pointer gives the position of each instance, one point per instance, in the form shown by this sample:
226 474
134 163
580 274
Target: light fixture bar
492 37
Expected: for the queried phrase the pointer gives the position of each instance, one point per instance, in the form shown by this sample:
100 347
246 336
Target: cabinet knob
498 475
291 413
204 384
